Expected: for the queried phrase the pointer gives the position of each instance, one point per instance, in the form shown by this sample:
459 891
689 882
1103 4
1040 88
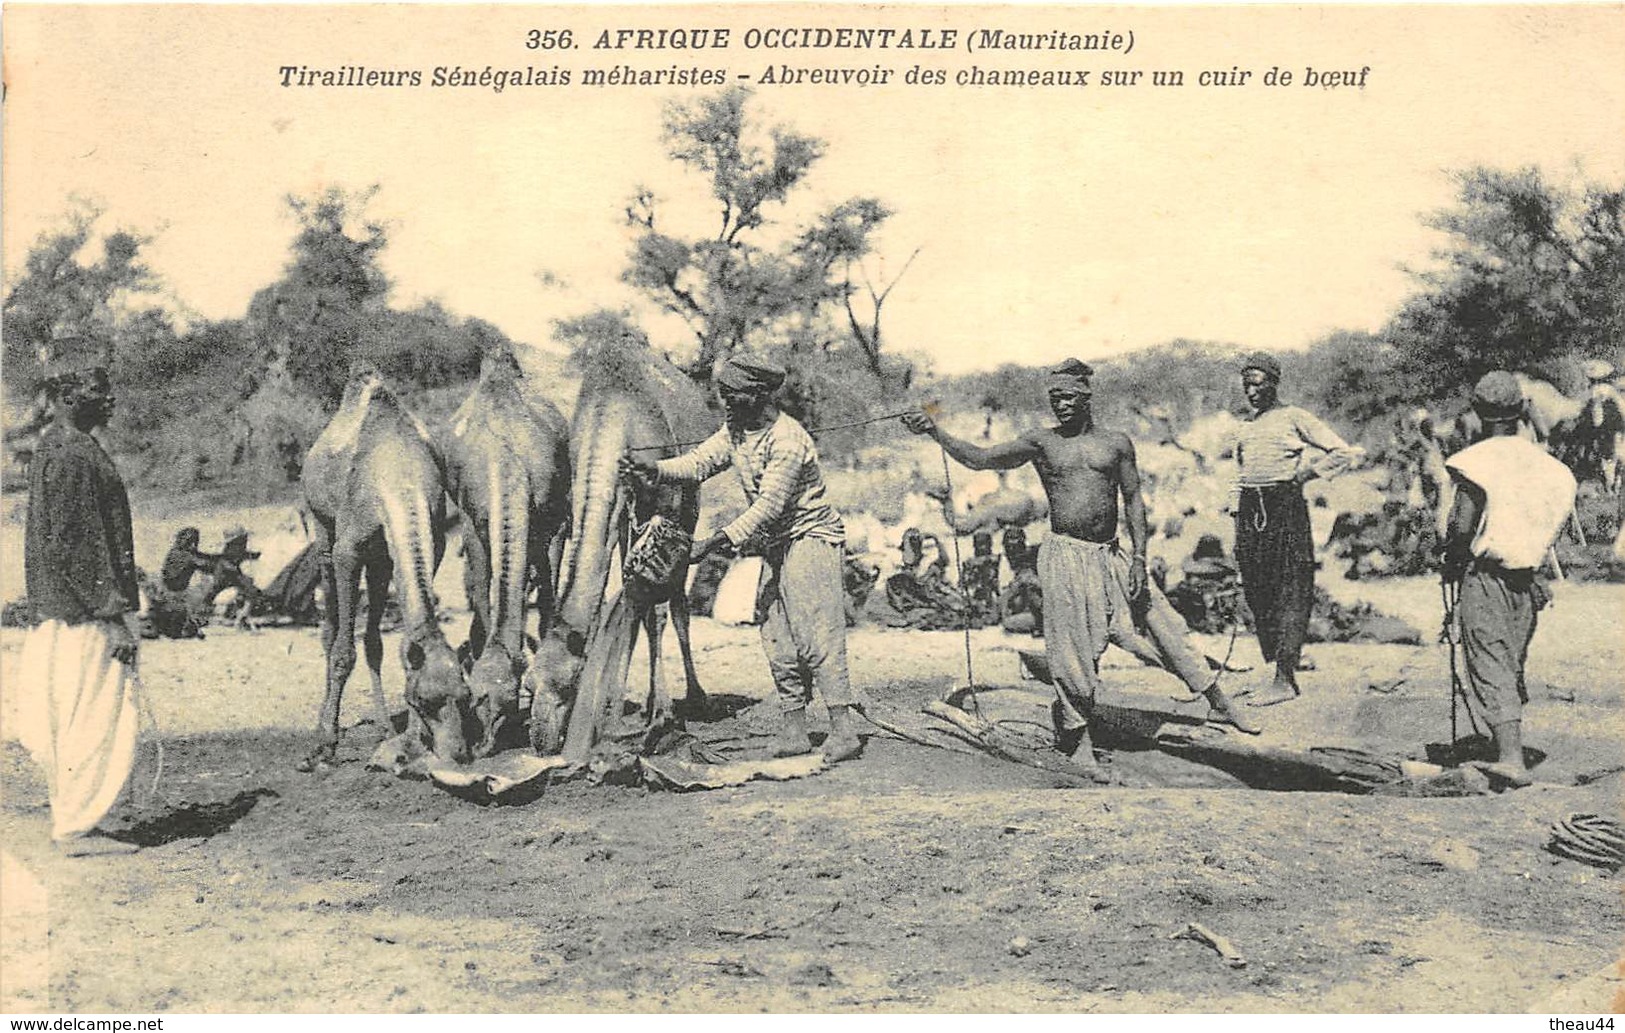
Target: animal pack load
656 553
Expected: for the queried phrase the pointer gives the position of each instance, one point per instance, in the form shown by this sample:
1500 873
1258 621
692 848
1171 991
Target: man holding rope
800 602
1512 499
1093 593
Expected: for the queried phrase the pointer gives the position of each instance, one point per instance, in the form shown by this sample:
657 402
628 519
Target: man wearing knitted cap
77 710
800 601
1278 449
1511 500
1093 593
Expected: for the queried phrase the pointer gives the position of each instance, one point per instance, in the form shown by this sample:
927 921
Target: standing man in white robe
77 709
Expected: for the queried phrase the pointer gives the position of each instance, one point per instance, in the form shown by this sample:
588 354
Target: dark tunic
79 550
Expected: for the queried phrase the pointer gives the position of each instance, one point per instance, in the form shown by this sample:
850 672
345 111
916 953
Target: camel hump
370 419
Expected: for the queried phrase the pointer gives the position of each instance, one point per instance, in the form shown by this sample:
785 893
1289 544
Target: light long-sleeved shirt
778 468
1528 496
1276 446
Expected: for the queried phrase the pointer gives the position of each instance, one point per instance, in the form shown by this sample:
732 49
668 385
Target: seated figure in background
921 598
173 609
857 581
979 578
1021 605
228 573
1209 595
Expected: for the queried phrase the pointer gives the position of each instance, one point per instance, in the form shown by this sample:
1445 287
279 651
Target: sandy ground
910 879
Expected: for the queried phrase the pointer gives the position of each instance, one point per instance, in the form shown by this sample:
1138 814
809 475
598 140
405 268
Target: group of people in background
78 712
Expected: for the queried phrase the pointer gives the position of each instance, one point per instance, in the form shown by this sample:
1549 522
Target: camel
374 485
508 471
1589 442
630 398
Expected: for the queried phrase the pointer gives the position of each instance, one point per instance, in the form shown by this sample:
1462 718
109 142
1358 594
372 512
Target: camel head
553 677
436 691
500 366
364 380
494 692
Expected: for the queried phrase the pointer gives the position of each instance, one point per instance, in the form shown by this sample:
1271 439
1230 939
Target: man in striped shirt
800 600
1279 449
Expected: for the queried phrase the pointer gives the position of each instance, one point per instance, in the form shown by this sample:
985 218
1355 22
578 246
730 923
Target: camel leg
542 572
555 561
330 591
338 635
694 701
379 570
658 709
476 582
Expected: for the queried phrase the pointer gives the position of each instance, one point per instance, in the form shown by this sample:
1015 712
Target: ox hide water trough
1349 739
616 740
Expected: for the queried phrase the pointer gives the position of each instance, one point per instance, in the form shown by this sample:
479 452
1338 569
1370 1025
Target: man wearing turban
1094 594
800 601
1512 499
77 708
1278 449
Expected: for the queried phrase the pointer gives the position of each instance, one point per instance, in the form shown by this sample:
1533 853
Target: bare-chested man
1093 593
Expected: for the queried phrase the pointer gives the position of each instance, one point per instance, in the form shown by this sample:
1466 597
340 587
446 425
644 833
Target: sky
1048 221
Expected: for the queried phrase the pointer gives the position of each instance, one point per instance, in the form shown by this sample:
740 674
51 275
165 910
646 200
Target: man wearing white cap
1512 499
77 710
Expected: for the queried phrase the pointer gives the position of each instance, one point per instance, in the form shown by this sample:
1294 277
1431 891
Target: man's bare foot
1078 748
1225 713
1276 693
839 747
792 740
787 745
1083 762
843 742
1509 775
95 843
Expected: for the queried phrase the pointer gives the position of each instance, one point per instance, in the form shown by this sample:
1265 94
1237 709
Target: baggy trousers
1496 611
1275 551
77 713
1086 608
800 604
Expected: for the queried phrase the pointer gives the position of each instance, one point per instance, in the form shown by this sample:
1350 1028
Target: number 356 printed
549 39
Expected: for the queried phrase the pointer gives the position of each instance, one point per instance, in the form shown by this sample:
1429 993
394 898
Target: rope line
810 430
959 572
147 718
1451 594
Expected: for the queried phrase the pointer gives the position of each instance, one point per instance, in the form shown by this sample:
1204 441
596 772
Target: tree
313 321
58 294
1531 279
745 283
1350 377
